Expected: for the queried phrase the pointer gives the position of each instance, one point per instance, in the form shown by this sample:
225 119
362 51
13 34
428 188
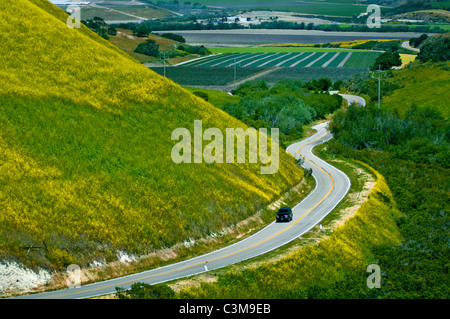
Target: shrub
112 31
175 37
435 49
141 290
387 60
416 42
141 31
322 84
149 48
202 95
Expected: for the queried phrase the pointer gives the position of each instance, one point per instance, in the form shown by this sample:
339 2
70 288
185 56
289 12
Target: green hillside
85 150
423 85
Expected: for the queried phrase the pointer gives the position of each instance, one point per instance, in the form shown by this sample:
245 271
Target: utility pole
379 84
164 64
235 73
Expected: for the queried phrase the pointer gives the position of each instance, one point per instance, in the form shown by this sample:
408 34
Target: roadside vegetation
288 105
417 170
312 270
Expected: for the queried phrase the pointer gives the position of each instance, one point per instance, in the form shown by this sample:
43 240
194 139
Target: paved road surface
406 45
331 187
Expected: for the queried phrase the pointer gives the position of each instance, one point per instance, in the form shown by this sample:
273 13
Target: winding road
331 187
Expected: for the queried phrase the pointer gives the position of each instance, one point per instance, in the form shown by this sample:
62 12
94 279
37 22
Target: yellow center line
230 254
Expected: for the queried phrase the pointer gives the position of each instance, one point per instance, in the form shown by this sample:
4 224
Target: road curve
331 187
354 99
406 45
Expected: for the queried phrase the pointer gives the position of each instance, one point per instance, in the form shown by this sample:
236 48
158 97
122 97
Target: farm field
205 76
334 7
307 74
314 58
246 37
276 48
224 68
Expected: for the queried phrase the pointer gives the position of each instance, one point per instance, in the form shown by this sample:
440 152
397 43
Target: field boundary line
276 53
345 60
275 59
212 60
319 58
232 58
308 56
331 60
215 55
251 57
295 56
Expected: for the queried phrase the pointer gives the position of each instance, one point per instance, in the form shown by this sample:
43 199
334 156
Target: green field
415 82
267 49
292 63
362 59
205 76
289 59
441 5
332 7
311 73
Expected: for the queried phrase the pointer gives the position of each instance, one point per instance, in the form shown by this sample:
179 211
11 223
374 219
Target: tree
95 23
112 31
323 84
141 31
337 85
435 49
149 47
175 37
102 32
201 94
416 42
387 60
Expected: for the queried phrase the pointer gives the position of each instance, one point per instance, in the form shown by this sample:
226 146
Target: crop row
217 76
308 74
289 59
188 75
362 59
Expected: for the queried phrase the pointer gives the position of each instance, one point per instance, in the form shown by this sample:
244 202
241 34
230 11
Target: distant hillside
426 15
417 79
85 150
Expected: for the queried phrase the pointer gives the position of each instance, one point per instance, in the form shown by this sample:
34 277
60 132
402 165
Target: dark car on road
284 214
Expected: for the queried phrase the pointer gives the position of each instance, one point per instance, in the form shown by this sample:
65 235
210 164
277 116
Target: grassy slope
217 98
85 148
128 43
423 85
